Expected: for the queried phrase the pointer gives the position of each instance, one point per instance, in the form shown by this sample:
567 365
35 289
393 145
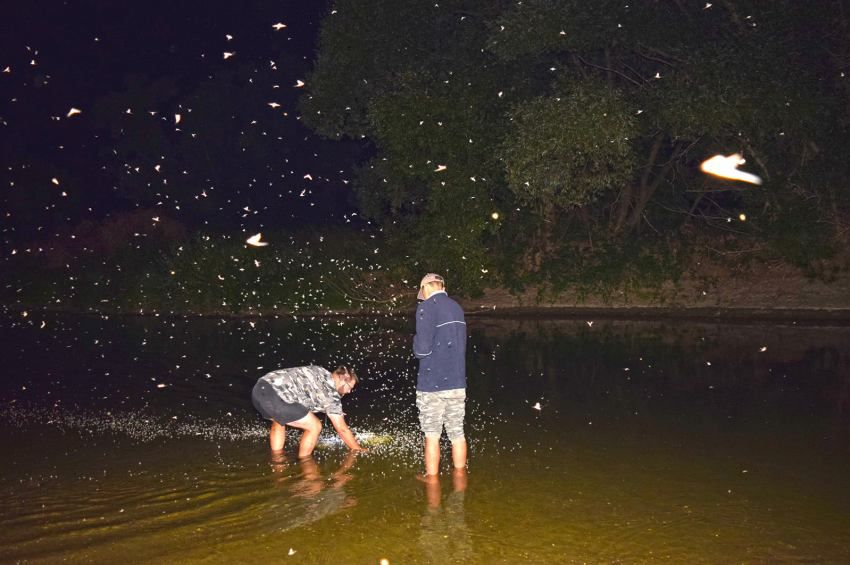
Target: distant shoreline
839 316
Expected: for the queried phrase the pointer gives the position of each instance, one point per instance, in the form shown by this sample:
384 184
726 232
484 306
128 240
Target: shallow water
133 439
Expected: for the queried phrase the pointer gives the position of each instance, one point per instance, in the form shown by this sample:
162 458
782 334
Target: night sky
252 161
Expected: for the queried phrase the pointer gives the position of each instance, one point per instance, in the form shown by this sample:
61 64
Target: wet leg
459 453
312 427
432 455
277 436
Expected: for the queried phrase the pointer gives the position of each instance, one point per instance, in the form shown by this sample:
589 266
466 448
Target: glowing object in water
727 167
255 241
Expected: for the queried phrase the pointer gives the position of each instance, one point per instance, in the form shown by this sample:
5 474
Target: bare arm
345 433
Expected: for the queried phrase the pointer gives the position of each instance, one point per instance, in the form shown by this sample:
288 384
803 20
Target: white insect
299 83
279 26
255 241
55 181
229 54
727 167
537 406
177 118
274 104
763 349
589 324
74 112
440 168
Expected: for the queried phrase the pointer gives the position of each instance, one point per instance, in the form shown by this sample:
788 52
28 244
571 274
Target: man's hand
345 433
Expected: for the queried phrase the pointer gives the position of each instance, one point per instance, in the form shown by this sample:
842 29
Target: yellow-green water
663 441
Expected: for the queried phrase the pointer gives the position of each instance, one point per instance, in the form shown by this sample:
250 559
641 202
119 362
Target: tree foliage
566 150
593 115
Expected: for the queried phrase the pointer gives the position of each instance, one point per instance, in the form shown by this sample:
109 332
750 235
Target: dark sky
77 53
90 44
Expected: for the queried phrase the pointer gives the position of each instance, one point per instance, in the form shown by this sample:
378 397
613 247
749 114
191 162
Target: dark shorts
272 407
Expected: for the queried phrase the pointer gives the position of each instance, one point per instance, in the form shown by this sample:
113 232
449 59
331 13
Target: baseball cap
429 278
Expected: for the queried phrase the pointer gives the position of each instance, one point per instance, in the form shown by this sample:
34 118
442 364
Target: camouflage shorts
444 407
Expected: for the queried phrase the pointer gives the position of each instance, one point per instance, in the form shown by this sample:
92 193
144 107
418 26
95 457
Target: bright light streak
727 167
255 241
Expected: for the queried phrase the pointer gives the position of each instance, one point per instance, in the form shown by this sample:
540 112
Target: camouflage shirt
313 387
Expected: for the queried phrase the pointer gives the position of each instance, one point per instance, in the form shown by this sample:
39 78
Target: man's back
440 344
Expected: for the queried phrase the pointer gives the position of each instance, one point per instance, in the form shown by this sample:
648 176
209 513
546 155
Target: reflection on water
134 439
321 496
443 535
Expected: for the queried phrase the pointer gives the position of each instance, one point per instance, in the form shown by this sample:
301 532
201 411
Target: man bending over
289 397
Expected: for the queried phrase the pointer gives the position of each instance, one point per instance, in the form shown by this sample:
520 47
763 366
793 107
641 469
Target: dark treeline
560 141
551 143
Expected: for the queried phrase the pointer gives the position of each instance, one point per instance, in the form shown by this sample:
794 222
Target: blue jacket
440 344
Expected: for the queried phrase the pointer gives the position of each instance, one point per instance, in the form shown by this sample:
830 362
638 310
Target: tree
599 112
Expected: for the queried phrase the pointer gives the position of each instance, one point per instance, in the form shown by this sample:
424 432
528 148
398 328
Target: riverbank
707 291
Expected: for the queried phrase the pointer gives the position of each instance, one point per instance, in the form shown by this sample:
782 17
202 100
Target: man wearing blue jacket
440 346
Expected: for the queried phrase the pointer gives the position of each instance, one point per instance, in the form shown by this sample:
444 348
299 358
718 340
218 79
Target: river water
133 439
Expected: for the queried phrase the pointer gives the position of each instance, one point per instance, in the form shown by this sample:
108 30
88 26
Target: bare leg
312 427
432 455
277 436
459 479
432 490
459 453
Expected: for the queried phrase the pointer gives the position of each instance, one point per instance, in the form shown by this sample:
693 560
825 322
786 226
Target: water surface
133 439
